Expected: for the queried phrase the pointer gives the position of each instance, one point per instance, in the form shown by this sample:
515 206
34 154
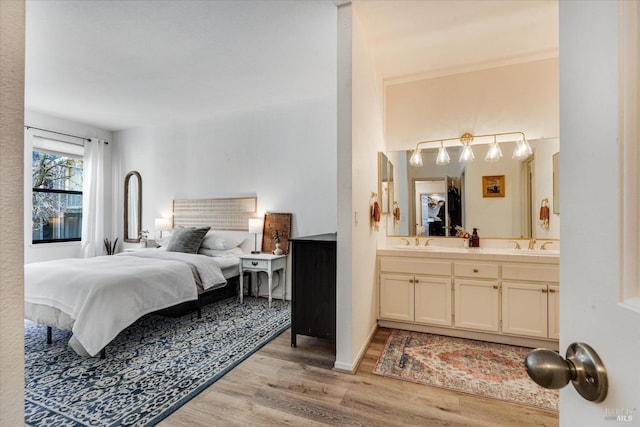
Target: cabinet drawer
476 269
536 273
415 266
255 263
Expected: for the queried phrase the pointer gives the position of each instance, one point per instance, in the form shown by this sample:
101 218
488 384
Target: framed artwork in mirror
493 186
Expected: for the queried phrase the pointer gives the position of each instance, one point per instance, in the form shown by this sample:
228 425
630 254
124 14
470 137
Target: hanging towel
375 212
544 215
396 214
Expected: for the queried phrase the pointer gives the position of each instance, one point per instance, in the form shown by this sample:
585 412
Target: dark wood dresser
313 283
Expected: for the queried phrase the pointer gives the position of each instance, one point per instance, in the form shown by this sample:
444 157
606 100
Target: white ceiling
122 64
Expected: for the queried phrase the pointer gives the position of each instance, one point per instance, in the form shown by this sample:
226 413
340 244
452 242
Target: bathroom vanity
501 295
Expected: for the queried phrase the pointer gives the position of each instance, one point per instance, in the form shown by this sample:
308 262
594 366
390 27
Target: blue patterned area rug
152 368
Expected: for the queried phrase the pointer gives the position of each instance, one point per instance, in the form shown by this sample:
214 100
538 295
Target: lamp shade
255 225
162 224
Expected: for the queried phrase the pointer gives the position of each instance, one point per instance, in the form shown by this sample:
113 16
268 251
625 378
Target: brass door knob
582 367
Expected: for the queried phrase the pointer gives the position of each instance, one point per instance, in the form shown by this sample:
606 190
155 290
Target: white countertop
484 254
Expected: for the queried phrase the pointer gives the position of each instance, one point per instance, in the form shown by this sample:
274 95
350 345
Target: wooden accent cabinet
313 287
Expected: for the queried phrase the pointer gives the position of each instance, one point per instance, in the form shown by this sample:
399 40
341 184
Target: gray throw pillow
187 239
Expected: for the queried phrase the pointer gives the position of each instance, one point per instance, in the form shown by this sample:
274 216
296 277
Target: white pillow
221 240
222 253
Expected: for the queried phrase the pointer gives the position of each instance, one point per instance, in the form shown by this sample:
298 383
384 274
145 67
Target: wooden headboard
219 214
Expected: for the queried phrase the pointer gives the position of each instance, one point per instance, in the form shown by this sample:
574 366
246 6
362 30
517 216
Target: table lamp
255 227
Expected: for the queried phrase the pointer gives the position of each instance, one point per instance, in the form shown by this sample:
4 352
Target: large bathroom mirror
132 207
433 199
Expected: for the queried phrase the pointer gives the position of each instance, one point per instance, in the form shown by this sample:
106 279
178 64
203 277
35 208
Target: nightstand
267 263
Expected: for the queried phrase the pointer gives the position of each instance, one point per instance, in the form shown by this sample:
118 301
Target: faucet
544 245
516 243
417 240
532 244
427 242
406 241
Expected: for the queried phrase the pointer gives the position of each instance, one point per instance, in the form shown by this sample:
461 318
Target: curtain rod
60 133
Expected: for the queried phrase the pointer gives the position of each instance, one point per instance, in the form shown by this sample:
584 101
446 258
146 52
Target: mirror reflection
434 199
132 207
385 182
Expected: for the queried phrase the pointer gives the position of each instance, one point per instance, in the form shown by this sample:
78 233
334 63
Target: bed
96 298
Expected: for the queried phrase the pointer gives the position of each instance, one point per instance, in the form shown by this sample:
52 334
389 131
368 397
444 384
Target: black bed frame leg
103 353
199 309
49 335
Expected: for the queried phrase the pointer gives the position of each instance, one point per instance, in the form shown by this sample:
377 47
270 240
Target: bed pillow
222 253
187 239
221 240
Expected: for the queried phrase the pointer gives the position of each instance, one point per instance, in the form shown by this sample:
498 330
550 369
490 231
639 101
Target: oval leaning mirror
132 207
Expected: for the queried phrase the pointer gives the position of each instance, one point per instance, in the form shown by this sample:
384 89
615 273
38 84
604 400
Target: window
57 192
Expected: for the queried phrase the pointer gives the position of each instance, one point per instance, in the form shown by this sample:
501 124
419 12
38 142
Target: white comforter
97 298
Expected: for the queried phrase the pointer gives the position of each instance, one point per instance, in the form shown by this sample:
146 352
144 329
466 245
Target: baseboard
353 368
480 336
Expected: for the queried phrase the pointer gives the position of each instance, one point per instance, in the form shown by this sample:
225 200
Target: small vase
277 250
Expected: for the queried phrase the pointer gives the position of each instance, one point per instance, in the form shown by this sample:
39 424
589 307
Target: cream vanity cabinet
477 295
530 300
415 290
512 299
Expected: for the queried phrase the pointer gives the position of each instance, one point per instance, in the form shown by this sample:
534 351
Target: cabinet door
524 309
554 312
396 297
476 305
433 300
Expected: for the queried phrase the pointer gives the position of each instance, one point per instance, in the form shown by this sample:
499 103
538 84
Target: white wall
49 251
284 154
521 97
367 139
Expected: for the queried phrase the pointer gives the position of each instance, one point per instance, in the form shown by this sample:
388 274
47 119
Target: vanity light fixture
494 153
466 154
443 156
416 158
522 151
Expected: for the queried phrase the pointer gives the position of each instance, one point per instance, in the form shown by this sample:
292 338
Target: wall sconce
161 224
522 151
255 227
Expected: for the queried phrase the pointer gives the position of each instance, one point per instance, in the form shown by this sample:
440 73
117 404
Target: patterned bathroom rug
152 368
481 368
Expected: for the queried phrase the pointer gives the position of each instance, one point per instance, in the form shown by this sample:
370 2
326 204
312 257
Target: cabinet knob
552 291
475 270
254 263
544 291
495 286
417 281
410 280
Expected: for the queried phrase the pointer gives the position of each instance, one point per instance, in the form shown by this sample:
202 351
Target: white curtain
93 199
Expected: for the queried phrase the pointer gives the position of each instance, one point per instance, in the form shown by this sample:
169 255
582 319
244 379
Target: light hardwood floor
280 385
